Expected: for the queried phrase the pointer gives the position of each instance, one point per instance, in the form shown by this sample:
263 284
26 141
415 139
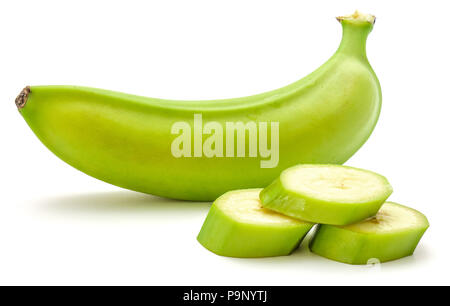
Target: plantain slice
327 194
392 234
238 226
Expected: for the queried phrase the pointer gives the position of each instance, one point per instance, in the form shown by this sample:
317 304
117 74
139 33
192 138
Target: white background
60 226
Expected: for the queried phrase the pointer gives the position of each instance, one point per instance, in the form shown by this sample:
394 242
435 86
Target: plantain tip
22 98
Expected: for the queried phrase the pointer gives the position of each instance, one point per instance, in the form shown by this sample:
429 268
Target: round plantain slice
392 234
238 226
327 194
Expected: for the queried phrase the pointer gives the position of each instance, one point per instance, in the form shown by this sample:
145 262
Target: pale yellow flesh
358 16
392 217
337 184
245 206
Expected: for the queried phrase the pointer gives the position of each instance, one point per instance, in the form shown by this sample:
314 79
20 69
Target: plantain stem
356 28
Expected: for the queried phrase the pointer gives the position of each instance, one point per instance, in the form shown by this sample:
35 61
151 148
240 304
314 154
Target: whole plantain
129 140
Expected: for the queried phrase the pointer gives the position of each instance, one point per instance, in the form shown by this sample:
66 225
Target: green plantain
189 149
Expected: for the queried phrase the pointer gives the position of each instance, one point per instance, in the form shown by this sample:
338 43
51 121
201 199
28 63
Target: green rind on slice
327 194
238 226
392 234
